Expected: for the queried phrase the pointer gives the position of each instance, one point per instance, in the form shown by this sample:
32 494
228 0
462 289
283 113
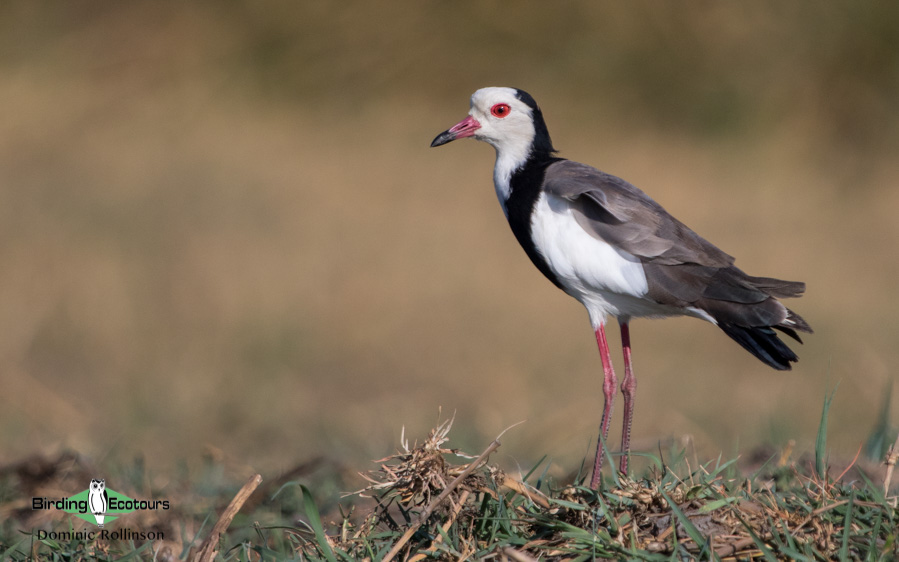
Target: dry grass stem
891 458
446 526
532 494
517 555
210 546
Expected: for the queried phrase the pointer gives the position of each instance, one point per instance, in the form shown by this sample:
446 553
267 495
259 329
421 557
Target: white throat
508 160
510 133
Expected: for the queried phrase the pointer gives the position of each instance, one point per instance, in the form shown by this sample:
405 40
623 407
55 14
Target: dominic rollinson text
104 534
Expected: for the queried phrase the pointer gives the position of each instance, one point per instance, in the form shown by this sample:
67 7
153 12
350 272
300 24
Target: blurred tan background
222 224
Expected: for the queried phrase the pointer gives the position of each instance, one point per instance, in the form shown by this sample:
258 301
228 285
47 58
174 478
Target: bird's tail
764 343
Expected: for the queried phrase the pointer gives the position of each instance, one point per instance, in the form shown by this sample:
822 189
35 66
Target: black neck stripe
526 185
543 144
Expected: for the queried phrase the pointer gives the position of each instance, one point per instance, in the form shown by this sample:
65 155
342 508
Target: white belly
607 281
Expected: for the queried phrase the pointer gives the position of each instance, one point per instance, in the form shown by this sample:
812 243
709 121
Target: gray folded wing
620 214
682 268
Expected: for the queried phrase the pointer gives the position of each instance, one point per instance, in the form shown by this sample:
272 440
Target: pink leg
628 389
610 382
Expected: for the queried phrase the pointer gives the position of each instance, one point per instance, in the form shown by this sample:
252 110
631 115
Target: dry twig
446 526
211 545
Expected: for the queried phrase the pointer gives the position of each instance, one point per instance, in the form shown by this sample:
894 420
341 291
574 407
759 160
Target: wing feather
617 212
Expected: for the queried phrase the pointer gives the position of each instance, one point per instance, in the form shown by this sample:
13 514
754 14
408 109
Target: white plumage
608 281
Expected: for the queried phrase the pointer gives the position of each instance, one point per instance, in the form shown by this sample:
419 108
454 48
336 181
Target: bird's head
506 118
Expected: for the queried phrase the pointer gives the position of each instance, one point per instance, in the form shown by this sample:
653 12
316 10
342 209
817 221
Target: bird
609 245
99 500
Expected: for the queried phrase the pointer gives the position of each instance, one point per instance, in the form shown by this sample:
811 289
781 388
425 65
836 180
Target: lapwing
613 248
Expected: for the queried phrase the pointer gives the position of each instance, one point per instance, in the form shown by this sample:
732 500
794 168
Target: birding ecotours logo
98 504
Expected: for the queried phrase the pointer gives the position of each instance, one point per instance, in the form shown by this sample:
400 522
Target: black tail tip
762 341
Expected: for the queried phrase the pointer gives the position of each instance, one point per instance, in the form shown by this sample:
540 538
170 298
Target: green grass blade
533 468
821 440
720 468
613 470
654 458
871 553
315 521
880 438
715 504
698 538
873 489
847 528
7 554
766 552
608 515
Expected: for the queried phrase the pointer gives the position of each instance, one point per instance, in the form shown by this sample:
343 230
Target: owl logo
98 500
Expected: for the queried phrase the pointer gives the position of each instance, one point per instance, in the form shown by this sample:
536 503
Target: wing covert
618 213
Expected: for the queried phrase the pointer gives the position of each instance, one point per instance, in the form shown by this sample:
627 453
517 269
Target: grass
244 197
429 501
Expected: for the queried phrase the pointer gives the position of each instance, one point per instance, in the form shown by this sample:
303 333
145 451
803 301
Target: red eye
500 110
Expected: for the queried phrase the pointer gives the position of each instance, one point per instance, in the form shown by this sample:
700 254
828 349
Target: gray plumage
682 268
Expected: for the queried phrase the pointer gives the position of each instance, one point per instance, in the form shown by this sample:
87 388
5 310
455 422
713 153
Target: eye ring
500 110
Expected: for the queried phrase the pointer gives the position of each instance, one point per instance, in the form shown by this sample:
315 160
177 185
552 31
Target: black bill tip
443 138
